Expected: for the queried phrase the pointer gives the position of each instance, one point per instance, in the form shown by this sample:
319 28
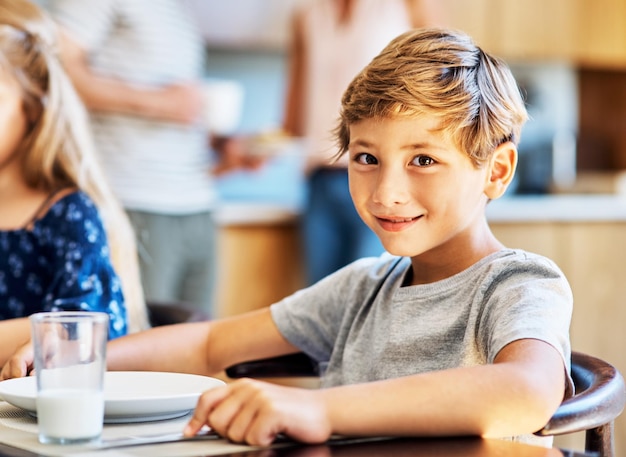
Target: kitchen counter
519 209
558 208
248 213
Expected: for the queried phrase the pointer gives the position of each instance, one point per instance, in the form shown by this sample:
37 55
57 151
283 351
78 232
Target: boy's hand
256 412
20 364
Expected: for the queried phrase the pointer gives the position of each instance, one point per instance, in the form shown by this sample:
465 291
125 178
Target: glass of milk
70 361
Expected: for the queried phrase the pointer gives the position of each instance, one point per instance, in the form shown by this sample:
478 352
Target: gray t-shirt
364 326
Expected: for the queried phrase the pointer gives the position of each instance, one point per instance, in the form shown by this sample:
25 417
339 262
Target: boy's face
414 188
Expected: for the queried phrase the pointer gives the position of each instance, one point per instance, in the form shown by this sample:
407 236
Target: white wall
245 23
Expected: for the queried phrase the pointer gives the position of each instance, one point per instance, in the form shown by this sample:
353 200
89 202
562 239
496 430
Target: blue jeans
334 234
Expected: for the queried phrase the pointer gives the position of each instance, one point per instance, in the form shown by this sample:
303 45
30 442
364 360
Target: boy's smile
395 224
418 192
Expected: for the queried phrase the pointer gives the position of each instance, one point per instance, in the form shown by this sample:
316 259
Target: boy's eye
423 161
365 159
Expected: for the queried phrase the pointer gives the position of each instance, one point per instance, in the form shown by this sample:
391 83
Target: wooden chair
161 313
599 399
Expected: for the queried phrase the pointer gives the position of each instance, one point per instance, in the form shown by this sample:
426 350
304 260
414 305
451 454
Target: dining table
19 438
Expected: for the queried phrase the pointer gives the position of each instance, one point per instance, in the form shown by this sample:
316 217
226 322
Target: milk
69 415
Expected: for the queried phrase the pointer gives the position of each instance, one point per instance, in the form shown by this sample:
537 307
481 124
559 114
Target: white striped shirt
152 165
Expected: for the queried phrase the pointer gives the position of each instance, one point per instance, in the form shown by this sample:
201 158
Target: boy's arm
516 395
202 347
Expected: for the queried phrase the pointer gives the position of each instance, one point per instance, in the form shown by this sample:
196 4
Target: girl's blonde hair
58 151
441 73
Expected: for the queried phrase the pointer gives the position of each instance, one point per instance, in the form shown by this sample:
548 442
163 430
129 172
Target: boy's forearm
496 400
431 406
204 347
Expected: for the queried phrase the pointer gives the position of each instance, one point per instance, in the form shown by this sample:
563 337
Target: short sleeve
309 319
312 319
84 278
531 298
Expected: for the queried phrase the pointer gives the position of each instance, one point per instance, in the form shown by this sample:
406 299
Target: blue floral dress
61 263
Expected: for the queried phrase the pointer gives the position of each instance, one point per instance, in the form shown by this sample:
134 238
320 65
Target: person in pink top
332 40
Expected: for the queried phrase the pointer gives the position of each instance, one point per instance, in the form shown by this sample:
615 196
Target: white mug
223 105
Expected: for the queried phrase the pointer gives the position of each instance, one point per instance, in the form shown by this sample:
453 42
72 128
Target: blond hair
442 73
58 150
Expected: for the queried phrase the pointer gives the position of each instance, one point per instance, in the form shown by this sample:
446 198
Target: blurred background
568 55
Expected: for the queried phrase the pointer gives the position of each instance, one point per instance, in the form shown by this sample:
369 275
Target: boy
448 334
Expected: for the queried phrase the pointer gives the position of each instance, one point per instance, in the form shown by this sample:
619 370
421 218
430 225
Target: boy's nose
391 189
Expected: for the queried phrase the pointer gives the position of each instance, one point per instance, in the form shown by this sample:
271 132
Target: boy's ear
501 170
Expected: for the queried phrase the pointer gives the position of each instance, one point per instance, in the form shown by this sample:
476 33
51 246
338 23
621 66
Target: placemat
19 429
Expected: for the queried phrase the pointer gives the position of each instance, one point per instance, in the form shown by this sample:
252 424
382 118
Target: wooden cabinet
585 32
534 29
258 264
600 33
473 17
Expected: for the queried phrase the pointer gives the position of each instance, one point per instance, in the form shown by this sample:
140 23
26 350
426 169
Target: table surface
408 447
18 438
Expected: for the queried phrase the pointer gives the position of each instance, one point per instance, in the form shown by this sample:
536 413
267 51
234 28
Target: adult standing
137 65
332 40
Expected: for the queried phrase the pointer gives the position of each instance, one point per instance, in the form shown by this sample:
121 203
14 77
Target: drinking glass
70 361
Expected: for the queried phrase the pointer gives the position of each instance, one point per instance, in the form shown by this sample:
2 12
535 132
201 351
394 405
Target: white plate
129 396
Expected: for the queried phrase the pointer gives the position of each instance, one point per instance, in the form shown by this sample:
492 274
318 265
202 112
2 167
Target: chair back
599 399
162 313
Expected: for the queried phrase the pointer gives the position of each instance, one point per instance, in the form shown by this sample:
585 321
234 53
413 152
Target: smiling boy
422 196
449 333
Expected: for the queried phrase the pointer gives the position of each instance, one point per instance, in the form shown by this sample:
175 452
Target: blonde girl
54 200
